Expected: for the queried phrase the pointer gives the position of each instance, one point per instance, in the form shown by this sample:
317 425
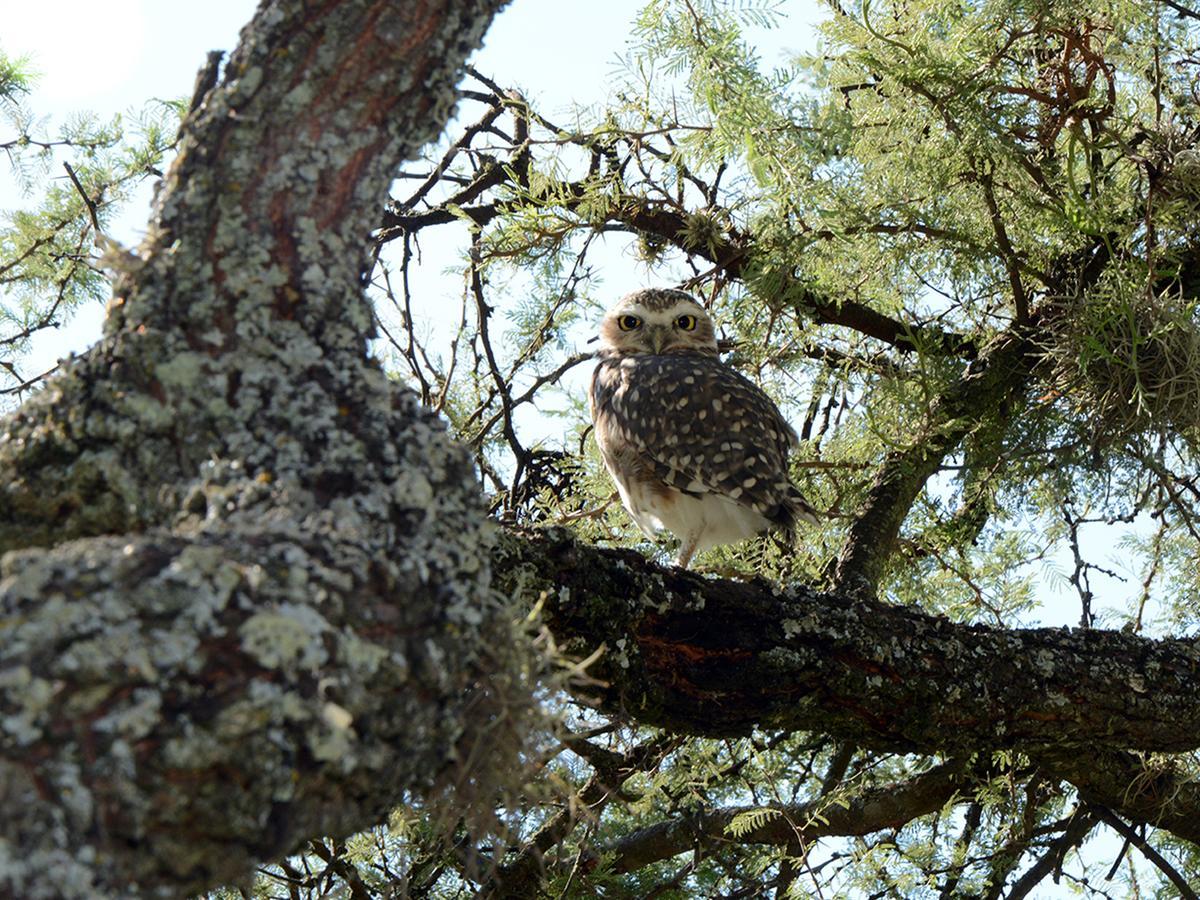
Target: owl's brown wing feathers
701 427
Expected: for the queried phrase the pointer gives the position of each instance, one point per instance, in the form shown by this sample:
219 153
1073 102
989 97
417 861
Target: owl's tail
797 509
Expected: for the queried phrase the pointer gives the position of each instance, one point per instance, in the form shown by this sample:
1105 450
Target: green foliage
746 822
15 79
48 265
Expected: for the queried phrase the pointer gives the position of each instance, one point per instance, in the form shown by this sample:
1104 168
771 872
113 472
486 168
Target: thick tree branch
985 395
992 381
242 317
1151 791
718 657
206 702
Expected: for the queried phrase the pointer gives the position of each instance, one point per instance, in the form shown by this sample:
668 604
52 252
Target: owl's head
657 321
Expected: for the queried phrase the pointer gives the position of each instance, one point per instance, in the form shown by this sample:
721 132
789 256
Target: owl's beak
659 337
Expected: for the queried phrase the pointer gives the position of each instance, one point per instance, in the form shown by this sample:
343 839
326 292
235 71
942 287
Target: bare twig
88 201
1133 837
1076 832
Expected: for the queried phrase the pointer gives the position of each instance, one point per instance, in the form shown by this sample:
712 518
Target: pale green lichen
182 371
36 695
335 740
135 719
364 657
200 664
290 637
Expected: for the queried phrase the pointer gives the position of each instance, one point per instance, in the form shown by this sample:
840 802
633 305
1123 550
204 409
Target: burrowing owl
694 447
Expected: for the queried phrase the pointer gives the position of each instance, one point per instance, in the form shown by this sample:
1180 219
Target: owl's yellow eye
687 323
628 323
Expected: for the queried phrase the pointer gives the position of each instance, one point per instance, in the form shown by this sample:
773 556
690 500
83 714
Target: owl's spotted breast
695 448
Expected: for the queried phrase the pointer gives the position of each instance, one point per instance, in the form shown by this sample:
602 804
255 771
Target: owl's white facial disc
657 321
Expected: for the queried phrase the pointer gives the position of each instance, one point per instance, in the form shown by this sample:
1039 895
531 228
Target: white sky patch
81 50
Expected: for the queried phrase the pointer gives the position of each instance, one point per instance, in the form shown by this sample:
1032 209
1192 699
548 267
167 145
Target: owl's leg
687 549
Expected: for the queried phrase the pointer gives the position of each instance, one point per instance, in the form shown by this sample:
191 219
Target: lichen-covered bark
1150 789
242 318
715 657
181 708
278 597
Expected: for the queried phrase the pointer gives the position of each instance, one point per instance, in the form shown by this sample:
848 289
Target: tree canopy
258 600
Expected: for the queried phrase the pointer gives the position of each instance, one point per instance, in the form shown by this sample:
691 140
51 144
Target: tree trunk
247 588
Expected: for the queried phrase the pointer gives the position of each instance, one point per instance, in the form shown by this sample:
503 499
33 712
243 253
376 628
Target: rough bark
719 658
277 596
716 657
1145 789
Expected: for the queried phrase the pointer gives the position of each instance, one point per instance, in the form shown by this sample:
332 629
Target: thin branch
520 454
517 877
338 864
1076 832
1132 836
872 810
1012 262
1184 11
663 218
91 204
